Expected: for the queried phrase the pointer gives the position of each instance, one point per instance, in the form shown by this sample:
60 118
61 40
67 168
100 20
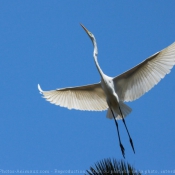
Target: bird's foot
122 150
132 145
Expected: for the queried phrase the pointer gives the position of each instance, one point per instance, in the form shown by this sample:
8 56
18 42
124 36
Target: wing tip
39 88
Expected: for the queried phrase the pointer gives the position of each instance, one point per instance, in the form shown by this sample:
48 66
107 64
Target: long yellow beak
84 28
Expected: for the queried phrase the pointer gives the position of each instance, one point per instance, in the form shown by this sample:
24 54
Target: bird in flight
111 92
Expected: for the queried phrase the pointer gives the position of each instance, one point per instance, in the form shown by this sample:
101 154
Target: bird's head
91 36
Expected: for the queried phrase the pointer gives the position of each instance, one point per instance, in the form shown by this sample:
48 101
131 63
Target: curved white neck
95 53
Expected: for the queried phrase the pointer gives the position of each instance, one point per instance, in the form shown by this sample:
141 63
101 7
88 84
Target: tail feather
125 111
109 114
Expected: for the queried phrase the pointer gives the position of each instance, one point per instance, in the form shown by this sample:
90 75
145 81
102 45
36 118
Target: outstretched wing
90 97
137 81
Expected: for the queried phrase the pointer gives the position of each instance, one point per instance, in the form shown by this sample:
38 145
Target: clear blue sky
42 42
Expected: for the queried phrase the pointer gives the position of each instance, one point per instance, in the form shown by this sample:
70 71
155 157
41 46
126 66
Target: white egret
111 93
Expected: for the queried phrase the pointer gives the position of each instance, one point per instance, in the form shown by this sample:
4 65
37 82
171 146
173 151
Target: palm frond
112 167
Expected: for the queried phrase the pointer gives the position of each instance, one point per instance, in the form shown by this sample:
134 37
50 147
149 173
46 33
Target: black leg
121 146
132 145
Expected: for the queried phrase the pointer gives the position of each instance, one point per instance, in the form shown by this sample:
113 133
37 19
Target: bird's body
112 98
111 93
